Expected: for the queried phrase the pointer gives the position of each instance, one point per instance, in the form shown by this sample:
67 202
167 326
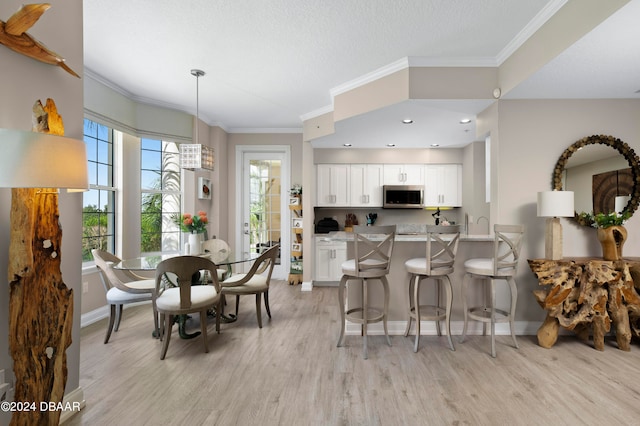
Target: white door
263 202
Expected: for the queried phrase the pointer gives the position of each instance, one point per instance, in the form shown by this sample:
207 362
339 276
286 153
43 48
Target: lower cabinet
328 260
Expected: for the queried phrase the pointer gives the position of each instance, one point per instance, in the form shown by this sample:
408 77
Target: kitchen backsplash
405 219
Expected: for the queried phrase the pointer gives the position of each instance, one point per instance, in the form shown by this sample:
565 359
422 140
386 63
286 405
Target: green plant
603 220
296 189
194 224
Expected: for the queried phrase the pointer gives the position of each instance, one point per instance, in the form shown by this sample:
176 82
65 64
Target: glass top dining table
150 262
224 259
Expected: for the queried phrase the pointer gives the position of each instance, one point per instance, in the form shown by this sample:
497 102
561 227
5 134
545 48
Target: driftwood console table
586 295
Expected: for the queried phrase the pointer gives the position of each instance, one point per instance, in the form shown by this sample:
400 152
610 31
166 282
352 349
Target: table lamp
35 165
553 205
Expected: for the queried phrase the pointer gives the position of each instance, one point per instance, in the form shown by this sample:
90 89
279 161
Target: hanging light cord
197 74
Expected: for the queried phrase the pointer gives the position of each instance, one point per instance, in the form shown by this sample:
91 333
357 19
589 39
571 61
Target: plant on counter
194 224
602 220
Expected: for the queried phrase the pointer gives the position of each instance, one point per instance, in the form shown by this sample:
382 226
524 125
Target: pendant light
196 155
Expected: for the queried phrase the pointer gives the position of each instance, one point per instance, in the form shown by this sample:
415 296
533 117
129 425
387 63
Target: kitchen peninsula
407 247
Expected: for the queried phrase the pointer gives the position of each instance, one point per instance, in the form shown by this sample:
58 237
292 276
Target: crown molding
534 25
316 113
237 130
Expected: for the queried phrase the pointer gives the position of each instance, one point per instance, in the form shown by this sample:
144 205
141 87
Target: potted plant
195 225
610 231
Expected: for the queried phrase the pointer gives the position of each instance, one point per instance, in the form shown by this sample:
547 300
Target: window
160 180
98 205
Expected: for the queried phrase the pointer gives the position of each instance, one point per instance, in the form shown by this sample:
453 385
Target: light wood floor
291 373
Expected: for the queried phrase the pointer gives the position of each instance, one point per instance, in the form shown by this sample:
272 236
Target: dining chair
441 249
256 281
502 266
119 292
218 251
373 247
185 298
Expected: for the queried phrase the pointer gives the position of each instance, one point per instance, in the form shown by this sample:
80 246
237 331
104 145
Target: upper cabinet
360 185
333 185
366 185
403 174
443 185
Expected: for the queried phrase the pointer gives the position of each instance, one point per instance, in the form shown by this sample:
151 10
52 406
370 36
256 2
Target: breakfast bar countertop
338 236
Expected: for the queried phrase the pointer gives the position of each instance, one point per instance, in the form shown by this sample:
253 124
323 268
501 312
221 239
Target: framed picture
296 247
297 223
294 201
204 188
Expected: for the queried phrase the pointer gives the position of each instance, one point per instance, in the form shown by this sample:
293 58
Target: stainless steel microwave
402 196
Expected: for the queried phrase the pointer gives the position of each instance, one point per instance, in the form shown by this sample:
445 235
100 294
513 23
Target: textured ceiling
269 63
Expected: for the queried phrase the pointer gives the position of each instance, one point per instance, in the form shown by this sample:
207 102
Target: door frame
280 271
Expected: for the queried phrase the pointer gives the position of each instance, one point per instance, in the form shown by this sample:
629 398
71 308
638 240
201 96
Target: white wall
531 137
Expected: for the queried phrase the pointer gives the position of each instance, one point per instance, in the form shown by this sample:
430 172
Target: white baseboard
74 399
102 313
428 328
306 286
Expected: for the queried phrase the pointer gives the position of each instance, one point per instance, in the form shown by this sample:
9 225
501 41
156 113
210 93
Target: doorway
264 175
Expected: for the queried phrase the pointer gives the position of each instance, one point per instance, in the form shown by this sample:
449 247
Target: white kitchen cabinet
332 185
329 258
403 174
443 185
366 185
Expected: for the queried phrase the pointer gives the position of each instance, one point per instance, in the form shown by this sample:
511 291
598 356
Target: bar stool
502 266
373 246
442 245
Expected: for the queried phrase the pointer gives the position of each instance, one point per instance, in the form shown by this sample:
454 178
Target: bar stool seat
441 248
502 266
373 246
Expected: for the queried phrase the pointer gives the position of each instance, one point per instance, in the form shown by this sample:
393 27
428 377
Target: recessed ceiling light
346 144
391 145
465 121
435 145
407 121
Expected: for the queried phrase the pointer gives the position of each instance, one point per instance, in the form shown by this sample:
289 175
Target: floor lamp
553 205
35 165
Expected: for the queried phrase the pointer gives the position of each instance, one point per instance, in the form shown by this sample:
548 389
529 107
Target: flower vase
195 244
612 239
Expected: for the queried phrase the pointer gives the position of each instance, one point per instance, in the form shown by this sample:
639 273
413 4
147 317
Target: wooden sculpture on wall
40 304
13 35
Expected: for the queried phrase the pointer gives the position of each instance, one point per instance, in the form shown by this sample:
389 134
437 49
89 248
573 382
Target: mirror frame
624 149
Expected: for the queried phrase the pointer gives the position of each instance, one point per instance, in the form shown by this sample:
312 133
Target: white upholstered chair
502 266
185 298
119 291
373 246
441 248
256 281
219 251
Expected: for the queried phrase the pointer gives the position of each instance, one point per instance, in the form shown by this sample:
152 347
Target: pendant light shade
196 155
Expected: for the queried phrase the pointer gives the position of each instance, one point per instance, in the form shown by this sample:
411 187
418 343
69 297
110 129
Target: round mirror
603 172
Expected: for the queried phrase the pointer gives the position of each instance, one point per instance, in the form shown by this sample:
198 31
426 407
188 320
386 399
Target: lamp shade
196 156
555 204
621 202
40 160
